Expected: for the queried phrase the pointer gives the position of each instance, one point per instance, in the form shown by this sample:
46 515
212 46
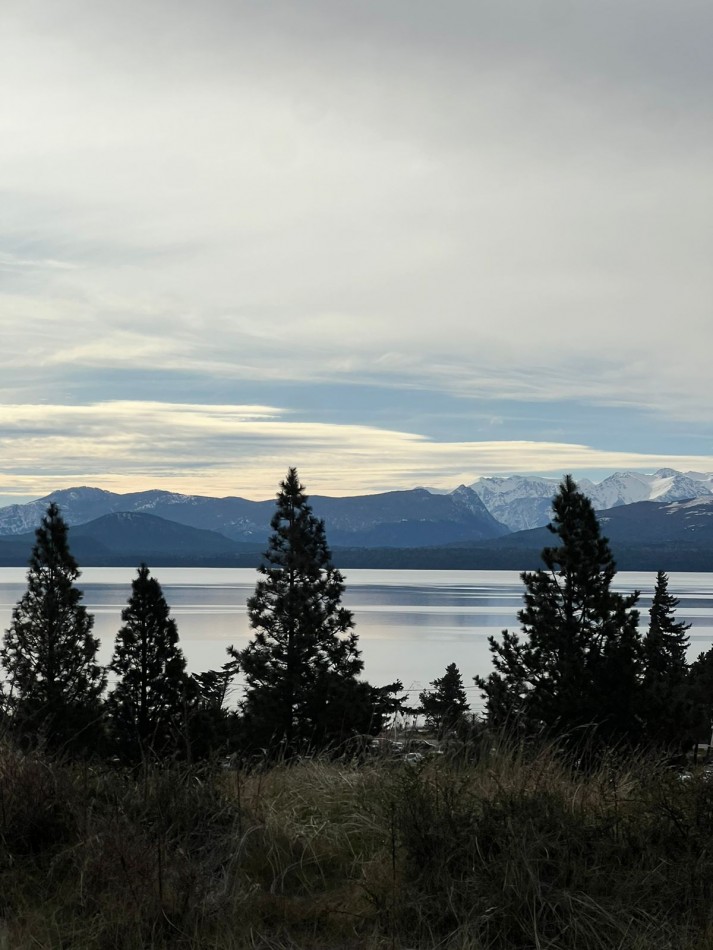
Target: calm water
411 624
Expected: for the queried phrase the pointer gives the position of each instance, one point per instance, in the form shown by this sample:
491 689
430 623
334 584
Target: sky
391 242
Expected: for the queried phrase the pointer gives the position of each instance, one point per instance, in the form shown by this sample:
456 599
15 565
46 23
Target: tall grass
515 851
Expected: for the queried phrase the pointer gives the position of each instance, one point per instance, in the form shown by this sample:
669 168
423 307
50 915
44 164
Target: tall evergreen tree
301 667
666 705
49 653
578 662
445 706
700 693
146 706
666 641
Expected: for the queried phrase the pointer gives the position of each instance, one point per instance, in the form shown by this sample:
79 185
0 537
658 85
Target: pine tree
665 701
666 642
700 694
445 706
49 653
147 704
578 662
301 668
211 724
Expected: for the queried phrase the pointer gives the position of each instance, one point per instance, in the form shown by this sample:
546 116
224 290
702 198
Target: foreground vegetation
515 850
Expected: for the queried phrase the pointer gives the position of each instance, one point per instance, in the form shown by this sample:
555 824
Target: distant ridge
644 536
401 518
131 537
400 529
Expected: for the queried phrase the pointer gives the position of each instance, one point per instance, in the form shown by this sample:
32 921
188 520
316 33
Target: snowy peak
517 501
532 485
76 504
625 488
523 502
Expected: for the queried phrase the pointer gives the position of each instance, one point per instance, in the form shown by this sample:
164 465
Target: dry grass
514 851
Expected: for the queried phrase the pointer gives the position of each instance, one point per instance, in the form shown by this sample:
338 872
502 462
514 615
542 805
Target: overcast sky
392 242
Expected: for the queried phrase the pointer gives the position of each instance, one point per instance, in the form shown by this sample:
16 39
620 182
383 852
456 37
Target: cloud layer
245 450
500 204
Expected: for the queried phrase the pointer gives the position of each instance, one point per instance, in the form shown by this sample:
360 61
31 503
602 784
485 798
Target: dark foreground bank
515 850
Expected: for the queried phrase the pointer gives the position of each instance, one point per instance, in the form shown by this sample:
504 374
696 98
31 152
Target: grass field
515 850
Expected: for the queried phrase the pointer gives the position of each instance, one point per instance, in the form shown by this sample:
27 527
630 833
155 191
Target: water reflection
411 624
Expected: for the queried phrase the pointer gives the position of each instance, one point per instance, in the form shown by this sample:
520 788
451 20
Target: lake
411 624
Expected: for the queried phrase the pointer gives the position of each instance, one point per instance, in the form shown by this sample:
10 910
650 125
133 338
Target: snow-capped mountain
624 488
77 504
518 501
523 502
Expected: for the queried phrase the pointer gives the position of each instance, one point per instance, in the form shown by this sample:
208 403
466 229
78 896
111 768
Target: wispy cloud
11 262
224 449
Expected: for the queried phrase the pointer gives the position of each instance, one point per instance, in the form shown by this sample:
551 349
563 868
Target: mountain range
521 502
407 518
665 518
